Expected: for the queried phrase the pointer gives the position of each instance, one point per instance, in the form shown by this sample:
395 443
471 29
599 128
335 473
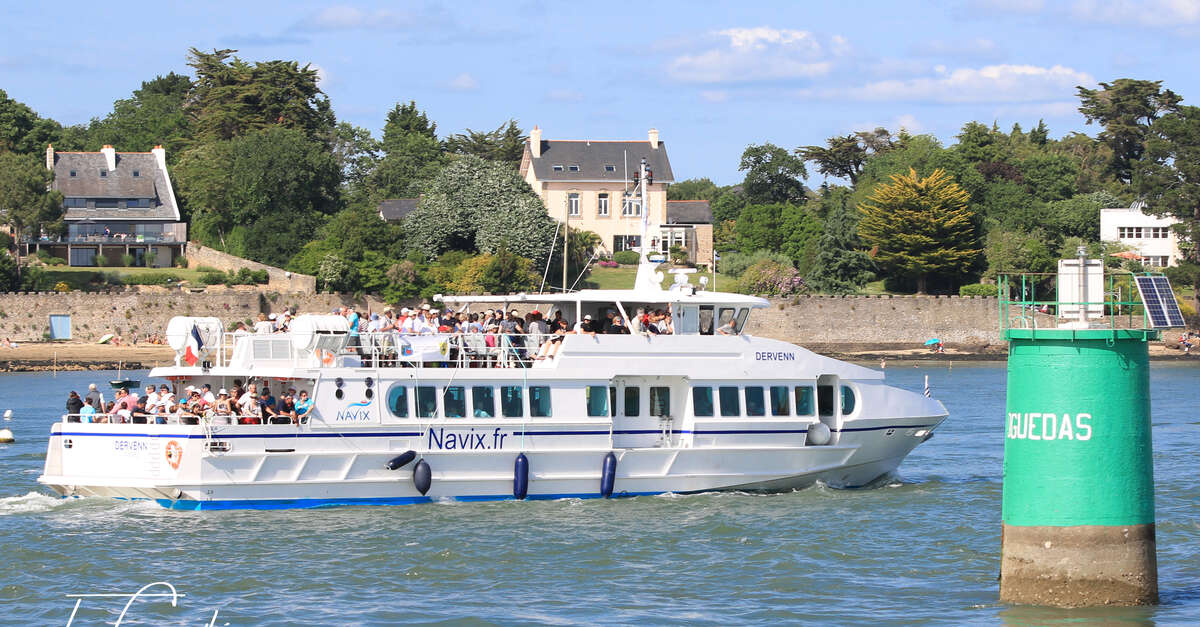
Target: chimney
535 142
160 157
110 157
653 138
49 156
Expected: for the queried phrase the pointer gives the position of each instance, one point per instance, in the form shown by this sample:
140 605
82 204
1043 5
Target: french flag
194 345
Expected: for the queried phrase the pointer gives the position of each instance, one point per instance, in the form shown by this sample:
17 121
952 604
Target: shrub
153 278
127 260
735 263
772 277
207 269
977 289
61 286
43 255
608 264
181 262
6 241
101 261
150 258
627 257
214 277
679 256
112 278
55 261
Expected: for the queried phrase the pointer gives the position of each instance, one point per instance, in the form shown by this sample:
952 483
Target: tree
260 196
1079 216
231 98
357 155
693 189
10 279
25 201
728 204
840 266
920 227
772 175
779 227
153 115
1011 251
506 143
845 156
507 273
1168 178
21 130
480 206
412 153
1050 177
1126 108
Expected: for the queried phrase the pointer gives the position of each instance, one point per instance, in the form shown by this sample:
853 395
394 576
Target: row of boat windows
601 401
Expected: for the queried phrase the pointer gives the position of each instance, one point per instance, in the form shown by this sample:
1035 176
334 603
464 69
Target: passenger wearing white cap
223 408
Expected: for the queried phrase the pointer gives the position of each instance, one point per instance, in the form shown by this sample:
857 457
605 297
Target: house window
1158 232
75 202
631 207
72 173
608 167
558 168
602 205
136 174
573 204
1129 232
1155 261
573 168
103 174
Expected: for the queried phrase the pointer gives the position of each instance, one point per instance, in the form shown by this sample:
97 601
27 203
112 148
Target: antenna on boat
647 278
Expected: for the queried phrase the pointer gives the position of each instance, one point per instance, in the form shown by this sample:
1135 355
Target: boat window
702 403
724 316
779 401
633 400
755 406
804 400
397 400
539 401
660 401
706 319
426 401
455 401
612 400
597 400
825 400
483 401
741 319
847 400
730 406
512 404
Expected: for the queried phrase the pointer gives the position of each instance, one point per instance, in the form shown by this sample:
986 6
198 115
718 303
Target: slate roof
395 209
151 182
592 156
689 212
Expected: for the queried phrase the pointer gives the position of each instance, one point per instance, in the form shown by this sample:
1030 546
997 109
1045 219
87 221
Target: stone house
117 203
589 185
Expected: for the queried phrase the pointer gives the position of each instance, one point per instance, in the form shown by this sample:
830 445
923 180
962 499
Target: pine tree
841 266
920 227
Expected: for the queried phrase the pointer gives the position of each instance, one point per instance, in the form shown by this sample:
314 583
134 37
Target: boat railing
207 420
390 349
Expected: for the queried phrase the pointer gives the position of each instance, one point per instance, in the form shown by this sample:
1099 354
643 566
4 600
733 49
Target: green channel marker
1078 504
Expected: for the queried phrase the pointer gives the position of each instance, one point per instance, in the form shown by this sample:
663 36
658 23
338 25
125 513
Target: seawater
921 548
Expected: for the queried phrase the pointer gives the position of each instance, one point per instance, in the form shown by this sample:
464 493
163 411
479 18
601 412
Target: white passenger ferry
409 419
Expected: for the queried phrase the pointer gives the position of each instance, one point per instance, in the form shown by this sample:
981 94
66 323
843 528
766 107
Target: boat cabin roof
683 296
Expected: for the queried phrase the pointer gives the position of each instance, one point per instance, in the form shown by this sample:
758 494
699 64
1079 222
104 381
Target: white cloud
714 95
992 83
1008 6
322 74
463 82
1168 13
757 54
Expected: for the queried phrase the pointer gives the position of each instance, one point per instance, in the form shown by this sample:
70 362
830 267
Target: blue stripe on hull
398 500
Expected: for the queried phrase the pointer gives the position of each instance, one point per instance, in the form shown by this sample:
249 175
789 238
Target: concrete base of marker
1081 566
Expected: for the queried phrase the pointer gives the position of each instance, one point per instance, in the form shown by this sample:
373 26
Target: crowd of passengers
250 404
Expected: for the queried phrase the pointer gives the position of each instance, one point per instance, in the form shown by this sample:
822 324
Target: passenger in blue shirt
87 413
304 405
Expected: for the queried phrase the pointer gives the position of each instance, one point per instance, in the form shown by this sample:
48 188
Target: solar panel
1160 302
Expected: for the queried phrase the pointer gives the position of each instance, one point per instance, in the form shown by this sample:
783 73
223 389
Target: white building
1150 236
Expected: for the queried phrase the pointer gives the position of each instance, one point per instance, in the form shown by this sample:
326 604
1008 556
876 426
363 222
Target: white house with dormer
1148 235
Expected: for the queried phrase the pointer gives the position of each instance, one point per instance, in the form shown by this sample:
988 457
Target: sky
712 77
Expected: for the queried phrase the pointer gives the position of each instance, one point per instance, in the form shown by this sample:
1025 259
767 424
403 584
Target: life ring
174 453
326 357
